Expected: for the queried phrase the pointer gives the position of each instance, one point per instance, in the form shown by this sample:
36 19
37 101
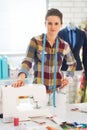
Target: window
19 21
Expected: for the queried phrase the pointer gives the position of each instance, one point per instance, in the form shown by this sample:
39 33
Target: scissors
51 119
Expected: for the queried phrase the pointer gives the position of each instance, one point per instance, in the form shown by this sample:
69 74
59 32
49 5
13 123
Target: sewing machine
23 102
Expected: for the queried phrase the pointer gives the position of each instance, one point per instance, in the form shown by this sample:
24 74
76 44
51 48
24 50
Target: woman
47 51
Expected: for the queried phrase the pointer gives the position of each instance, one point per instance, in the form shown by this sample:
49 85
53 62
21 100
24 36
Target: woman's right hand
20 81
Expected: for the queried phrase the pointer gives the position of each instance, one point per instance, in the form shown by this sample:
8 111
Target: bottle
5 68
0 67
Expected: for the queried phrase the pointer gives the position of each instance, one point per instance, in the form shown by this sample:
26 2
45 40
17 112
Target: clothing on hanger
72 35
72 25
80 41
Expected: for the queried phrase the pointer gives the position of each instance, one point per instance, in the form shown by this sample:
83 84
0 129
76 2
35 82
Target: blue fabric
72 36
44 42
23 71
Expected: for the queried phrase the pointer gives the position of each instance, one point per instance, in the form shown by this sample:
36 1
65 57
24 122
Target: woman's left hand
64 82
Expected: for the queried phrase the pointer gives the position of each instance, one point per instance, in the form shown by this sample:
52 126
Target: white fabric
72 88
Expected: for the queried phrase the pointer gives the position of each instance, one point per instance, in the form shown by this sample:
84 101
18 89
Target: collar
68 28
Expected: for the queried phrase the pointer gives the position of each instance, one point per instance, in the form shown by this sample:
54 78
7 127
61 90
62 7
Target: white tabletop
70 115
62 114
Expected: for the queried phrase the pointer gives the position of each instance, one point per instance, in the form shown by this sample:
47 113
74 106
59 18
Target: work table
70 113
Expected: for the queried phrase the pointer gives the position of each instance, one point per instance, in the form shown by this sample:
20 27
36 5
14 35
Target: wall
19 21
73 10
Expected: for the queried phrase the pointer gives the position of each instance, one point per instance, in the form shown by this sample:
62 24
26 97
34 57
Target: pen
83 111
40 123
36 121
51 119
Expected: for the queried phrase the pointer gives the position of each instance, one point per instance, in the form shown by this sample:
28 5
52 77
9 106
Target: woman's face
53 25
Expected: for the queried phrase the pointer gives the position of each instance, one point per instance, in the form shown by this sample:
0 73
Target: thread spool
16 121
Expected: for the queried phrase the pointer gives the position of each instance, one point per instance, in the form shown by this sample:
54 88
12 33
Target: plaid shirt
34 54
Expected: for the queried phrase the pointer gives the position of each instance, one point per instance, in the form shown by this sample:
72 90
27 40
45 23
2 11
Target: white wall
19 21
22 19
